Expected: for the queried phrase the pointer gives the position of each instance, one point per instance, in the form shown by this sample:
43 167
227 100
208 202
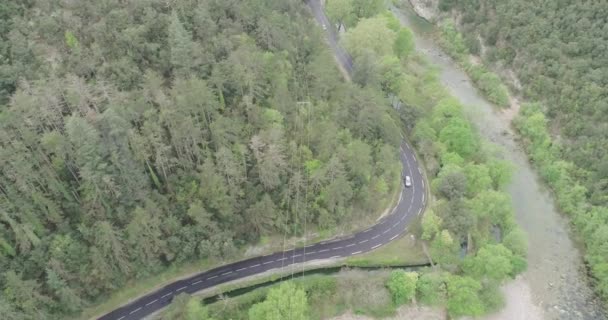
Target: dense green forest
559 55
469 230
135 135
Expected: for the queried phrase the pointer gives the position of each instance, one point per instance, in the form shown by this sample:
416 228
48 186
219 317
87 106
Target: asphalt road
411 204
345 60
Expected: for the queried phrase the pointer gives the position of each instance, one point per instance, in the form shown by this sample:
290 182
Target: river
556 275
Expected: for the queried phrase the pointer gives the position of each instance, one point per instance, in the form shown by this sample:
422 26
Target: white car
324 27
408 181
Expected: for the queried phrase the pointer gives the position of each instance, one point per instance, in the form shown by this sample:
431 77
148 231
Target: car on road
407 181
324 27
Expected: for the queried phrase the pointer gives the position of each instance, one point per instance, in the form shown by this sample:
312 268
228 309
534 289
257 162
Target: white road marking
407 146
132 312
193 283
296 255
376 246
393 238
226 273
324 250
121 318
168 294
336 248
241 269
281 259
356 252
182 288
366 230
211 277
364 241
422 183
312 245
419 171
419 210
395 225
385 231
395 208
423 198
257 265
414 159
151 302
350 245
376 236
311 252
267 262
334 257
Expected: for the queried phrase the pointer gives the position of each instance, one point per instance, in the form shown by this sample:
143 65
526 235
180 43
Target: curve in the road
411 204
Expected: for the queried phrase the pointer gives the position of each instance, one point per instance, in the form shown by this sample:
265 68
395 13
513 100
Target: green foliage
404 43
184 307
491 297
464 297
161 135
431 289
571 197
71 41
284 302
451 40
340 11
493 262
516 241
376 35
554 55
402 286
431 225
367 8
489 84
553 52
444 249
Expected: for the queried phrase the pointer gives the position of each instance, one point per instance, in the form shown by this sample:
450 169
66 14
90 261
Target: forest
469 229
473 241
137 135
558 54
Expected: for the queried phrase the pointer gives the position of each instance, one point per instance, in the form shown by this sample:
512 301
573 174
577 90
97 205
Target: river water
556 274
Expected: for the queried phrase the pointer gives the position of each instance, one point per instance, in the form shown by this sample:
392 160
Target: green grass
401 252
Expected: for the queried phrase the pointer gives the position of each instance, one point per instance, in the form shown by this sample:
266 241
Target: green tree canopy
283 302
402 286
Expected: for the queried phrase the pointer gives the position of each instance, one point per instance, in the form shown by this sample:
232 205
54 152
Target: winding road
411 204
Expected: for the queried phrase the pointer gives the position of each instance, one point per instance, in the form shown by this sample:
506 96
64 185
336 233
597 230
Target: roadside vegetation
313 297
556 54
136 137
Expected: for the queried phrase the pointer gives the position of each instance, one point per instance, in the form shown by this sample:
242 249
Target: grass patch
401 252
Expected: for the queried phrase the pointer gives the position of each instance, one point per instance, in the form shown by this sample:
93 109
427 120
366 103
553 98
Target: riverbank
556 278
518 306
